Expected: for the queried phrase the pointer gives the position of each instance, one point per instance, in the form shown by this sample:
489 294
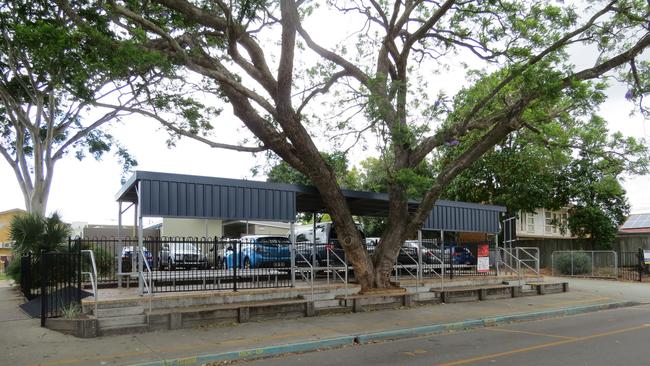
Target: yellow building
5 243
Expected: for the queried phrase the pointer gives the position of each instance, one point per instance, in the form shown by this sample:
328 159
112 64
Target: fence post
79 269
571 262
451 262
641 265
235 264
43 289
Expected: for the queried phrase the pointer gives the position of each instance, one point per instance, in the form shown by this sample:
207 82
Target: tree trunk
37 202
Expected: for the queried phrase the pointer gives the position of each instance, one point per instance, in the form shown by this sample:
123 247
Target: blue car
260 251
127 253
463 255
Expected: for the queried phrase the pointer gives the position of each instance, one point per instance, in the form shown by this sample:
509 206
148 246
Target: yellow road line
541 346
529 333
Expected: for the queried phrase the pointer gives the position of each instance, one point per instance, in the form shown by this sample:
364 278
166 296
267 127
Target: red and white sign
483 258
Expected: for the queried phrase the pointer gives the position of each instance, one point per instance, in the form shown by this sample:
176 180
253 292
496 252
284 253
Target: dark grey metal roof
178 195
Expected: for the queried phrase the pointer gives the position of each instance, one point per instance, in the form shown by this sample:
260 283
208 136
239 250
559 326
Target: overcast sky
85 190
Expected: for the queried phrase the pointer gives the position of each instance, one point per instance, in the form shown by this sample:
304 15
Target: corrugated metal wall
196 200
173 195
451 218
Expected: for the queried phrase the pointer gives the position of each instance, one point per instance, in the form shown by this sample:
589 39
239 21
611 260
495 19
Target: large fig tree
306 76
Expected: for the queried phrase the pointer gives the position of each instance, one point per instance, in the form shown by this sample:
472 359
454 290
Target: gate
61 291
631 266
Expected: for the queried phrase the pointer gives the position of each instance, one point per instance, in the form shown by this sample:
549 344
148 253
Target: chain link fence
585 263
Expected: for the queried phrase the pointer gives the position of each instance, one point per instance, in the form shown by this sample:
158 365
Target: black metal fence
61 276
174 264
196 264
30 276
630 266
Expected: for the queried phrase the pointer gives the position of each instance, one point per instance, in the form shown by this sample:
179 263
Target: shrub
34 233
13 269
581 263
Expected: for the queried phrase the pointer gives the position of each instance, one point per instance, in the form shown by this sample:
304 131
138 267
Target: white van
326 239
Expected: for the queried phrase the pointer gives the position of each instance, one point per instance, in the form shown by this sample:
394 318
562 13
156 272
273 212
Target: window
531 222
302 238
548 222
522 222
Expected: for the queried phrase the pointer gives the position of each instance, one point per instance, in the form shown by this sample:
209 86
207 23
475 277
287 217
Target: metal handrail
92 275
441 261
516 270
146 264
311 268
336 273
532 258
407 267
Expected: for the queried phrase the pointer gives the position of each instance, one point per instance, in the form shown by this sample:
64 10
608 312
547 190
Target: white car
186 255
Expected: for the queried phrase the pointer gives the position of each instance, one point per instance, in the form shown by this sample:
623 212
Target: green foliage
281 172
33 233
71 311
13 270
104 260
573 263
572 162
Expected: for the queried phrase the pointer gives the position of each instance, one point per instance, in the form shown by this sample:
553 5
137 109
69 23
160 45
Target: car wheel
247 263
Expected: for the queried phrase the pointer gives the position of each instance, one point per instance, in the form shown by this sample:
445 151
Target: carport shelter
157 194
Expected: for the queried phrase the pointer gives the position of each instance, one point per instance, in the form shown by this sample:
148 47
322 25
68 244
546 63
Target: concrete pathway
24 342
627 291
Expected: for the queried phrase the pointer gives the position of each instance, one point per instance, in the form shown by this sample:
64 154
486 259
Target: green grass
3 277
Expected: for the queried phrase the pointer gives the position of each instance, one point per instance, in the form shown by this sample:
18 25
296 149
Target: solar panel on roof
637 221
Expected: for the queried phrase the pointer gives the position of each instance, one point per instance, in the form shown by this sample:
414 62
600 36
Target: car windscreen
184 246
273 241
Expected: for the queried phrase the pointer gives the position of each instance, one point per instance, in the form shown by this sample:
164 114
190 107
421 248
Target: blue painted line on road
381 336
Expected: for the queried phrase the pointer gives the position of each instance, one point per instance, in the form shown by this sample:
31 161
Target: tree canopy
578 165
55 77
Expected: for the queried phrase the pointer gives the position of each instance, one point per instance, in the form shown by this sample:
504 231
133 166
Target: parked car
127 254
326 241
216 256
186 255
408 254
260 251
460 255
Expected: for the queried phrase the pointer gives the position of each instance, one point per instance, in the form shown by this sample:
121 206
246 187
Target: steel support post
119 244
140 239
313 244
419 257
293 254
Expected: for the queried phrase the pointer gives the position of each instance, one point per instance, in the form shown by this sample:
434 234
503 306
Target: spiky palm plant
34 233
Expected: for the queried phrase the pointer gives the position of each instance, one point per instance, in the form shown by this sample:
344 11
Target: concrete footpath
24 342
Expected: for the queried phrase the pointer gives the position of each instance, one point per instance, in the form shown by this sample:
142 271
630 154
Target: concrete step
326 303
122 321
333 310
124 329
118 312
528 292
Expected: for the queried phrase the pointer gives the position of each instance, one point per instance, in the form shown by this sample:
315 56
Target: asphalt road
612 337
